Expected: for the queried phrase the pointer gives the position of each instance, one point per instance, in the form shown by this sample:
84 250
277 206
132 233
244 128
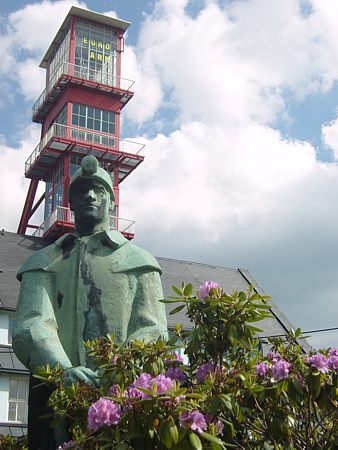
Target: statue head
90 196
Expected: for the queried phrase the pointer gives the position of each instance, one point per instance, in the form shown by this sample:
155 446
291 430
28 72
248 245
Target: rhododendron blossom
103 413
280 371
193 420
205 289
319 362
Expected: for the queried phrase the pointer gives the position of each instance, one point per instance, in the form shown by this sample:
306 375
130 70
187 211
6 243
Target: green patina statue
85 285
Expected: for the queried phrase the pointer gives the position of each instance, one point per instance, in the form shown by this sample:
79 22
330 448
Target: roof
15 249
87 15
9 363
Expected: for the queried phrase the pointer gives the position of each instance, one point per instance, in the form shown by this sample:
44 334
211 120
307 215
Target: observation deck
99 80
62 138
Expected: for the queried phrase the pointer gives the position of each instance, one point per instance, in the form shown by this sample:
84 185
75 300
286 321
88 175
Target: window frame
18 400
86 117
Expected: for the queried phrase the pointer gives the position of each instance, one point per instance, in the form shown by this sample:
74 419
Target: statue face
90 202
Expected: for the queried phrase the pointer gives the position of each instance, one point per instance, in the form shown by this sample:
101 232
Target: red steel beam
27 209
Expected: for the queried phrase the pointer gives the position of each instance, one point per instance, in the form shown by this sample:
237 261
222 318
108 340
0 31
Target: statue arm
148 318
35 332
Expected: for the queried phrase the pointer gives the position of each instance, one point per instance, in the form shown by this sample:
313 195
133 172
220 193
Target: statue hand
80 373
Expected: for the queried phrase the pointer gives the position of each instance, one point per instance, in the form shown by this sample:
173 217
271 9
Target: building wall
4 393
4 327
6 367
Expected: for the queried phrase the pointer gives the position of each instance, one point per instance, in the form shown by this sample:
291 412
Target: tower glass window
94 118
95 52
60 57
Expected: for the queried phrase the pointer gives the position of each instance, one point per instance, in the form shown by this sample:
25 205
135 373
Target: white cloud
111 13
234 173
147 87
23 42
330 136
13 185
234 63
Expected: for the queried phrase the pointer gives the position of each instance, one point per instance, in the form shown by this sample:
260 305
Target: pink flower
203 371
319 362
262 369
205 289
193 420
280 371
163 383
333 351
66 445
333 362
132 394
114 390
175 373
103 413
143 381
215 424
219 426
273 357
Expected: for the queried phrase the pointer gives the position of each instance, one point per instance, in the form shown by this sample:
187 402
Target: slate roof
14 249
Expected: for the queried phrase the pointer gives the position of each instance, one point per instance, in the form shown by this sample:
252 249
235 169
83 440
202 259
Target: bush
229 395
13 443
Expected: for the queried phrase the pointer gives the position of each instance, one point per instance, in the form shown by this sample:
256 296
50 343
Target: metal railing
62 214
80 135
103 76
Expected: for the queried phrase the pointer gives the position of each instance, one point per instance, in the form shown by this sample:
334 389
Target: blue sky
236 102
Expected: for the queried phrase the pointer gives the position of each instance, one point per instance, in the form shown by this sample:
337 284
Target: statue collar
111 237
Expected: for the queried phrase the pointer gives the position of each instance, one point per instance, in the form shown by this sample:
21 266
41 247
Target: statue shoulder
40 260
135 257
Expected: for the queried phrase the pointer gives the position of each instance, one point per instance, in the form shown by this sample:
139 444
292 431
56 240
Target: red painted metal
67 81
35 207
66 180
27 209
72 41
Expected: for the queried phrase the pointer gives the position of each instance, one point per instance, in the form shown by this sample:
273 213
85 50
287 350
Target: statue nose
90 195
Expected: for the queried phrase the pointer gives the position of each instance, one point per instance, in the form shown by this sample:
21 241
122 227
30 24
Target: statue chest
92 297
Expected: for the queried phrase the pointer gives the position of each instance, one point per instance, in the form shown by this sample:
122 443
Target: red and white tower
80 114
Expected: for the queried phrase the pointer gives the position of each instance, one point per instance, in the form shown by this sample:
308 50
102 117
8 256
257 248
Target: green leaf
188 290
216 446
229 430
165 434
176 310
279 428
173 430
314 384
180 391
151 433
195 441
298 332
171 301
144 390
176 290
155 368
213 439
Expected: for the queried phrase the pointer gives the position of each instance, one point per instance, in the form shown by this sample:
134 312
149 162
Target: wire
303 332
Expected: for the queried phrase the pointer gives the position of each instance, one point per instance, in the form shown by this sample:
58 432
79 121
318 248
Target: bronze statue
85 285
